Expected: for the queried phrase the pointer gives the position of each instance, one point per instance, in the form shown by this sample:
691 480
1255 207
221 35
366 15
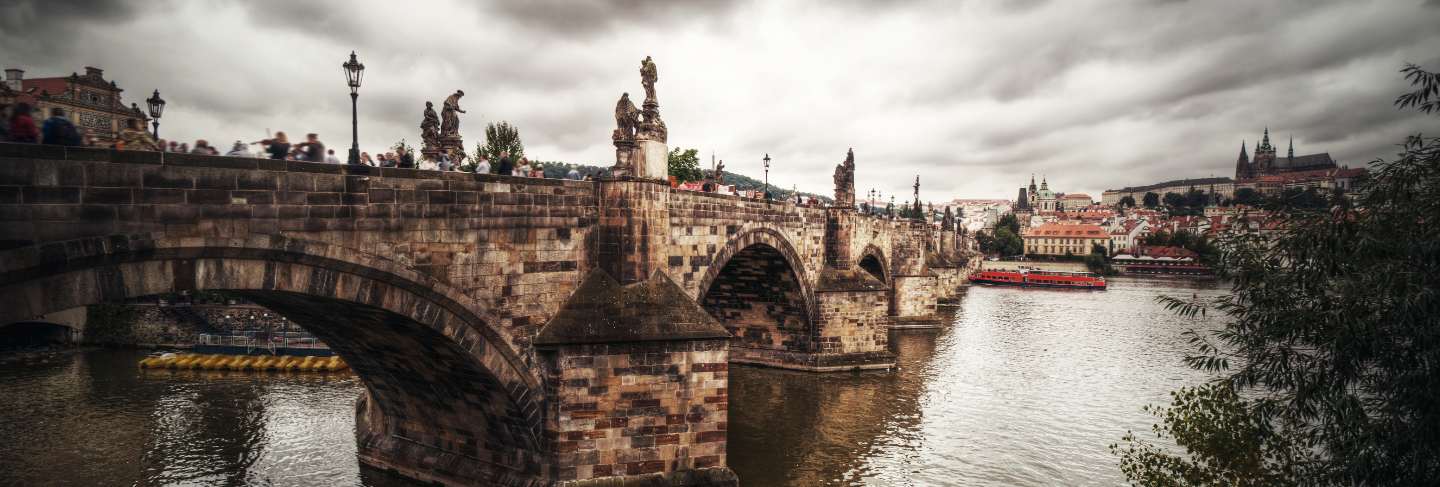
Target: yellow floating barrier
257 363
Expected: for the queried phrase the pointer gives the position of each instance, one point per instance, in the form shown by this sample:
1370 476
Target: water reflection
1024 388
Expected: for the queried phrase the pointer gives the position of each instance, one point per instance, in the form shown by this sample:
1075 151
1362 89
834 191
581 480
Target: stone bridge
508 331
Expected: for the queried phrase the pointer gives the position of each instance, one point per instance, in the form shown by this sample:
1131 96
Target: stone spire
1242 163
1292 148
1265 143
1044 182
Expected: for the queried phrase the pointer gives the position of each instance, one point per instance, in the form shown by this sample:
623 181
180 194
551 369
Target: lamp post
766 194
353 72
157 107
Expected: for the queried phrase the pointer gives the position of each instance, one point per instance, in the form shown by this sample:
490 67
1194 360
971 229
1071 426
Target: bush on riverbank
1331 340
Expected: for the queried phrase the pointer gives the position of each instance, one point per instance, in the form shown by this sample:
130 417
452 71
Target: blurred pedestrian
312 148
201 147
240 149
506 164
574 174
330 157
59 130
366 160
482 166
277 147
22 125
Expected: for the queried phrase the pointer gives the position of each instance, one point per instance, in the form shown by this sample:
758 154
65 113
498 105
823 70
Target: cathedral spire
1243 156
1266 142
1044 184
1292 147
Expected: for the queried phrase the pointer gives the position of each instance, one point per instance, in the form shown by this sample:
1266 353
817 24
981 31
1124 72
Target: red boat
1037 278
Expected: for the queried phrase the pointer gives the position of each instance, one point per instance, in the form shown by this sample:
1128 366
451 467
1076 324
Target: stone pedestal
652 159
449 144
637 387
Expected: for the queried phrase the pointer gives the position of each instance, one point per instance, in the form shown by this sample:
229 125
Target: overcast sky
972 96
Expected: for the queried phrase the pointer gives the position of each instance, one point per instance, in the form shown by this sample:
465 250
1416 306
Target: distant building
1059 239
1159 260
1266 163
89 100
1075 201
1222 187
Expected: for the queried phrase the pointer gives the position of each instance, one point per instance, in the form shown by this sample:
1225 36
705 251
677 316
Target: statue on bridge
647 78
845 181
451 122
430 128
627 117
640 135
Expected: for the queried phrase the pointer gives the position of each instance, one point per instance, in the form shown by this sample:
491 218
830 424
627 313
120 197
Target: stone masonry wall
915 296
517 245
704 224
854 322
637 408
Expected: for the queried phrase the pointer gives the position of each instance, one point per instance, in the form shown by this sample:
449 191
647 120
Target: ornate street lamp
353 72
766 194
157 107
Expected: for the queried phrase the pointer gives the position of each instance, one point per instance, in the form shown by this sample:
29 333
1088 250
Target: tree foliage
1246 196
1331 337
1151 200
500 138
685 165
1127 201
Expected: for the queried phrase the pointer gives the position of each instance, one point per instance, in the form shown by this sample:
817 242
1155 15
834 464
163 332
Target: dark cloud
586 18
973 95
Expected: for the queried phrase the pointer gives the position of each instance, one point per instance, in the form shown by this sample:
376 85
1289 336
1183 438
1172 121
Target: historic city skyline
1152 92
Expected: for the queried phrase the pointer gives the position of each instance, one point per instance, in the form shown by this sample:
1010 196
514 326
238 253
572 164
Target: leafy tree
1173 200
685 165
1309 198
1009 221
1246 196
1196 200
1151 200
1330 337
1127 202
501 137
1008 243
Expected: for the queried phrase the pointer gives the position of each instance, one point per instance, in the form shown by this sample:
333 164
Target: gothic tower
1242 164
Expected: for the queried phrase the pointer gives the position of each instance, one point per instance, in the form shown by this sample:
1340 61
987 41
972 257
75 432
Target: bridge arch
442 382
872 260
757 286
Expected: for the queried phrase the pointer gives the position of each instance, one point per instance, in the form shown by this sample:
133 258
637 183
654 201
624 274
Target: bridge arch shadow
758 289
872 260
444 388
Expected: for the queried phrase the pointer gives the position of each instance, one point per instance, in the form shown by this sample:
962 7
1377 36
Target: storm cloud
972 96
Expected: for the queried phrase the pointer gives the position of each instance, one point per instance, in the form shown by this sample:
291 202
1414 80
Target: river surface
1021 387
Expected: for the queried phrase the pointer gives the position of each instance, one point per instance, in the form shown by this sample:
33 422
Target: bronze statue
627 117
430 127
720 172
450 122
648 77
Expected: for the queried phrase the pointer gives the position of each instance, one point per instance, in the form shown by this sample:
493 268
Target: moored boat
1037 278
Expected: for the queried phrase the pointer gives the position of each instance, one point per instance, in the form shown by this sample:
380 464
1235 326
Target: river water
1022 387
